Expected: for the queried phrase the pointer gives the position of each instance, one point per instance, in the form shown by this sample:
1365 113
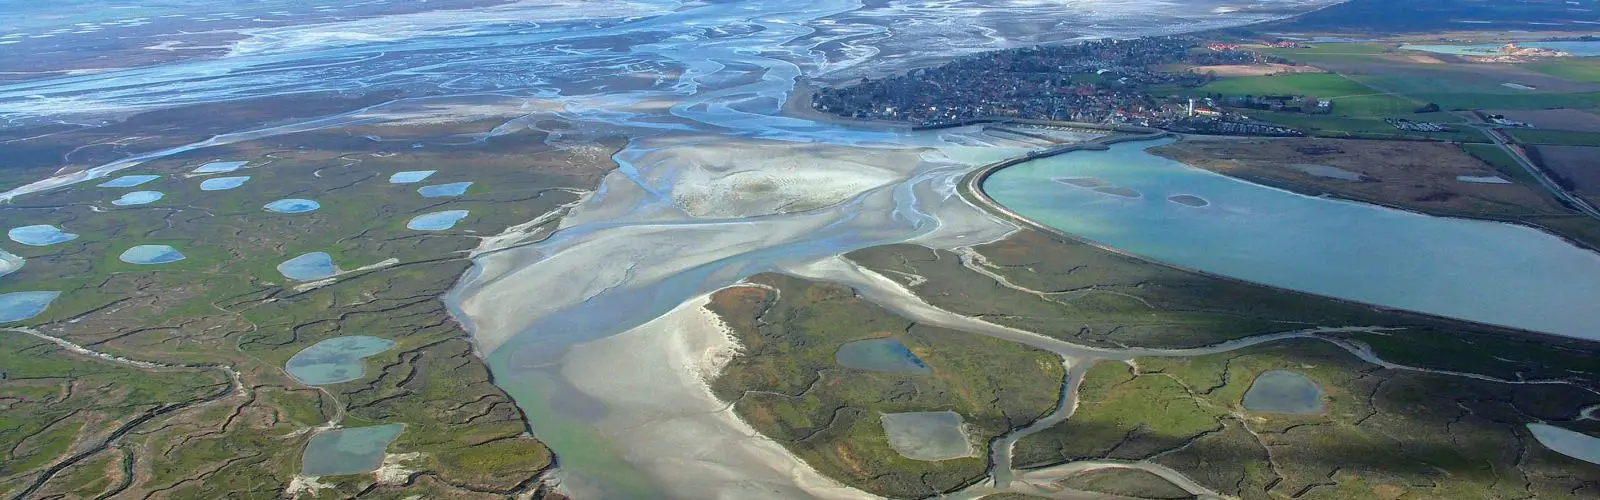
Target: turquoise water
334 360
444 190
40 235
409 177
929 435
1568 442
292 206
18 306
347 451
128 181
138 198
218 167
1476 270
223 183
1578 48
884 355
151 254
436 221
307 267
1282 391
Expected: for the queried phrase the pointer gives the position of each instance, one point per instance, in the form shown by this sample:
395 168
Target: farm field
1574 166
1576 120
1556 137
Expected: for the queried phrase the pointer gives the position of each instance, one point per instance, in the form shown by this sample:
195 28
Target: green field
1365 128
1350 98
1556 137
1583 69
1501 161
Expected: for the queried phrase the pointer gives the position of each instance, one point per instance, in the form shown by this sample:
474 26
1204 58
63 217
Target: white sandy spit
676 430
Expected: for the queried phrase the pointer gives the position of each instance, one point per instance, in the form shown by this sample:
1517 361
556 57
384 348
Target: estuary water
1481 271
714 184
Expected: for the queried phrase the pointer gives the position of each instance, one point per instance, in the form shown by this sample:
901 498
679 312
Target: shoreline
970 188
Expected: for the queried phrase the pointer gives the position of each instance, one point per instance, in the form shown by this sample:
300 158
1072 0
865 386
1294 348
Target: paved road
1499 139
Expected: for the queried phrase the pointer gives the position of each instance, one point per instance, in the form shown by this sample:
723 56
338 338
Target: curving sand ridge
676 429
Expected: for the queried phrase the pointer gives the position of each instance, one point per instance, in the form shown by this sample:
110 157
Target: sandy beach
675 429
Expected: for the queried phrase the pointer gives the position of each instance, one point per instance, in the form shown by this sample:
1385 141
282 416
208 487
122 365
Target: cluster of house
1099 82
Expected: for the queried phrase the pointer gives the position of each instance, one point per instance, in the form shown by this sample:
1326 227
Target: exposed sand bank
676 430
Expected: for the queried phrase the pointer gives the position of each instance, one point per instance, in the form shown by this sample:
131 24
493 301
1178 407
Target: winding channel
591 325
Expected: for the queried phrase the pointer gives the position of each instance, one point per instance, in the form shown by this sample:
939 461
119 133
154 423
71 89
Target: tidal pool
1327 171
355 450
436 221
128 181
410 176
18 306
884 355
1482 179
444 190
223 183
309 266
292 206
151 254
1568 442
1470 269
218 167
138 198
1283 391
334 360
928 435
40 235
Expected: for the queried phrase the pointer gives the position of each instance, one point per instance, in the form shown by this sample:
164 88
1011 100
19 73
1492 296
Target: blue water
436 221
884 355
1477 270
347 451
411 176
292 206
138 198
128 181
1281 391
40 235
334 360
930 435
223 183
307 267
18 306
1578 48
444 190
218 167
151 254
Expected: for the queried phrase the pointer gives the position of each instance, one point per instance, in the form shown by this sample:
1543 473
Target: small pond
436 221
1283 391
356 450
18 306
128 181
1482 179
138 198
409 177
929 435
10 262
151 254
444 190
334 360
307 267
883 355
1327 171
223 183
1568 442
40 235
292 206
218 167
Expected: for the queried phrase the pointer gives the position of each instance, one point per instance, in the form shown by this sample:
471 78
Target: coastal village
1159 82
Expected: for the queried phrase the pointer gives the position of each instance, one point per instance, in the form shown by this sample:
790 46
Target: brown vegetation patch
1254 69
1575 166
1412 175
